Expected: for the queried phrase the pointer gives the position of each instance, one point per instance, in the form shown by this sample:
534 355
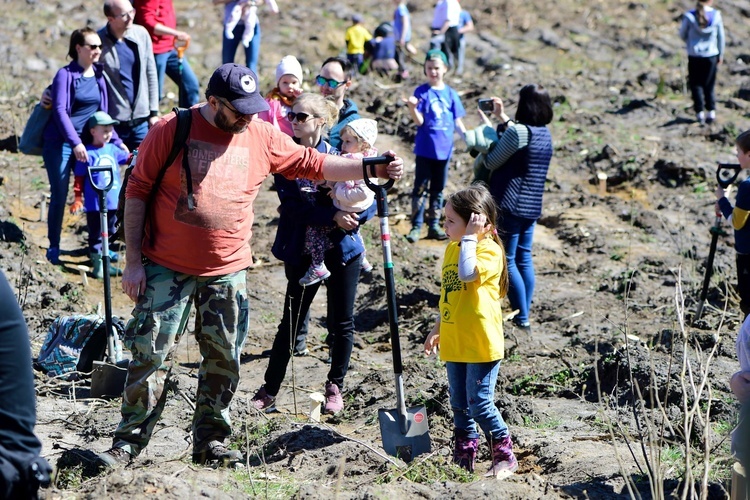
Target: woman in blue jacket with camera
518 165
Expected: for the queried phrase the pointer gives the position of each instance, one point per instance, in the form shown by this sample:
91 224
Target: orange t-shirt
227 171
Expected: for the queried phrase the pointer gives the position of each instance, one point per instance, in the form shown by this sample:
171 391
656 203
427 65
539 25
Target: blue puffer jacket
296 213
518 185
348 112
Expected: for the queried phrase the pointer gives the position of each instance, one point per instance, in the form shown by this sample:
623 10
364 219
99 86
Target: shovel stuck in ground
726 174
404 431
107 378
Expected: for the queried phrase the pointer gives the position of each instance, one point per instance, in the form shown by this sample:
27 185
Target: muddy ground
619 269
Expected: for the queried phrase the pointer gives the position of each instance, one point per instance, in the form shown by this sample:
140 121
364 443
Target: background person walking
702 30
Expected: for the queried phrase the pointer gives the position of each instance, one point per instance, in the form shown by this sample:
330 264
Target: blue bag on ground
32 138
73 343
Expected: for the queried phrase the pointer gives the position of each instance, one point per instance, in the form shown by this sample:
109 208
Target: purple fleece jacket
60 128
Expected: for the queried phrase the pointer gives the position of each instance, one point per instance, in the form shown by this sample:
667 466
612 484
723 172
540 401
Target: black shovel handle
715 231
371 162
726 173
385 240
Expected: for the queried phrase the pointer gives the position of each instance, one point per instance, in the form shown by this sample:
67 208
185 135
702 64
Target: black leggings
451 45
702 78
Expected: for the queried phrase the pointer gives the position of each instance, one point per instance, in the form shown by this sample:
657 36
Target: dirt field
618 271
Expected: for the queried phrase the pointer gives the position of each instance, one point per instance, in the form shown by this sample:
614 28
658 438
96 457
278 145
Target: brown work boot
114 458
215 451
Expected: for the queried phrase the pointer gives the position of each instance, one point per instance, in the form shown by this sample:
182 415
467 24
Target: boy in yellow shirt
356 36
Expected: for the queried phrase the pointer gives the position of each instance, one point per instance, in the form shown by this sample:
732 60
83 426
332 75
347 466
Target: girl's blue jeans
472 395
518 236
252 52
58 161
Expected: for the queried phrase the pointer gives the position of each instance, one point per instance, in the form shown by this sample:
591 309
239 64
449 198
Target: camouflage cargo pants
158 321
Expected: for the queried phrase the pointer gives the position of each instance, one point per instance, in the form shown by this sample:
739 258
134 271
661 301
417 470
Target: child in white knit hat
280 99
357 141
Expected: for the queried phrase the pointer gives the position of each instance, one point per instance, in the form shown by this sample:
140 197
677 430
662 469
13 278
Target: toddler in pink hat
280 99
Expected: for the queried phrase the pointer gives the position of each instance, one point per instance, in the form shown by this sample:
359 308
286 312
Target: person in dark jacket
78 91
302 204
22 470
518 165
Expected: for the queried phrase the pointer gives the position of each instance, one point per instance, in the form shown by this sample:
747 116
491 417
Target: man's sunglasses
236 113
334 84
93 46
300 117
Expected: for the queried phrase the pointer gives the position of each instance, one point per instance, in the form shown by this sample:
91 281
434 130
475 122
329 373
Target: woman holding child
303 205
78 91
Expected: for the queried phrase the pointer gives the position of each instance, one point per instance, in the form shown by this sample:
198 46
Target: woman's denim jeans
472 394
518 235
58 161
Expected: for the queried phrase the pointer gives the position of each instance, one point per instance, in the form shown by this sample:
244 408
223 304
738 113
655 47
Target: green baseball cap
436 54
100 118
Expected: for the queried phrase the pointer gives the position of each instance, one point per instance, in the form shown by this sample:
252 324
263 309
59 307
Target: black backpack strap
184 121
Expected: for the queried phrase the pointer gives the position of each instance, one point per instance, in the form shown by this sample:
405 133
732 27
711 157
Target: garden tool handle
726 173
181 46
371 162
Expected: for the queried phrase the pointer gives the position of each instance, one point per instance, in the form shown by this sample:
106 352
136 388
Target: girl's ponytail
700 14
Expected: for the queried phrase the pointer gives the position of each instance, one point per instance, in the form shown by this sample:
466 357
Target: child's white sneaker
315 275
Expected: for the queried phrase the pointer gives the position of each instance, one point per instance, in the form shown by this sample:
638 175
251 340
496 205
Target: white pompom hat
366 129
289 65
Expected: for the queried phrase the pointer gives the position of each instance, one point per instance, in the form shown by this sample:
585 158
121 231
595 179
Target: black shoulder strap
184 121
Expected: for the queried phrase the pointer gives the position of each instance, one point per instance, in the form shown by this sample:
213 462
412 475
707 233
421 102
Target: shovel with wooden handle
404 431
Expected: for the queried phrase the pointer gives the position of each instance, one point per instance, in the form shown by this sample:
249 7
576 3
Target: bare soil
618 271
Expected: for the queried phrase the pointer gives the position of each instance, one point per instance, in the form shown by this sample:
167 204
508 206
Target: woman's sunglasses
300 117
93 46
334 84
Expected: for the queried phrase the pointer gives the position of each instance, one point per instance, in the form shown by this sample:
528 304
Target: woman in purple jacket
78 91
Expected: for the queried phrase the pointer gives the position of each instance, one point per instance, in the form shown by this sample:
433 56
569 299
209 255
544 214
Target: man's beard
223 124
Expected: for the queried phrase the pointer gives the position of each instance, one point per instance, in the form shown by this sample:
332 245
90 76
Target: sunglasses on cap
334 84
300 117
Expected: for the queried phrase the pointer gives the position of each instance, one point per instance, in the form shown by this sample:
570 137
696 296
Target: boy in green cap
100 152
437 110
